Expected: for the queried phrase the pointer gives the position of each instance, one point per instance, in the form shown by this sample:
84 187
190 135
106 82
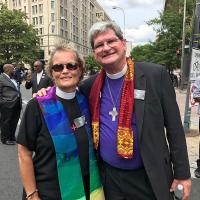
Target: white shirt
39 75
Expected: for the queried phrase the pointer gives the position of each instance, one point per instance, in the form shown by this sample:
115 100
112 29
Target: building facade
61 20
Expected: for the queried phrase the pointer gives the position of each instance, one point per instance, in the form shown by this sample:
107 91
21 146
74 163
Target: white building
67 20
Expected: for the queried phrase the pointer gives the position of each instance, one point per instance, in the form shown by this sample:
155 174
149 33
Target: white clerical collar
65 95
6 75
119 74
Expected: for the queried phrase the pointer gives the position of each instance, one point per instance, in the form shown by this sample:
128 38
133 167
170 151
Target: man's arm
176 137
2 101
196 90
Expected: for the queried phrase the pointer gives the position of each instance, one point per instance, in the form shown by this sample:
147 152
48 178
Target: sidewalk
192 137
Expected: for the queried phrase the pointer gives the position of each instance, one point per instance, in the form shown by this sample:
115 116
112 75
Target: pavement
192 137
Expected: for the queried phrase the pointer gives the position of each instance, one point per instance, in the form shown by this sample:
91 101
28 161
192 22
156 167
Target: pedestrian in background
57 129
137 127
39 79
196 96
10 105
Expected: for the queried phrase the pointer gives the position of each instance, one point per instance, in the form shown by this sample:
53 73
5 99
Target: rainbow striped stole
67 158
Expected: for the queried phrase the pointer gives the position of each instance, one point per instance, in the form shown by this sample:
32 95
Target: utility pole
183 48
194 43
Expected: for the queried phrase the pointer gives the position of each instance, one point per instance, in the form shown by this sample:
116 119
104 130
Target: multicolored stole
68 163
125 139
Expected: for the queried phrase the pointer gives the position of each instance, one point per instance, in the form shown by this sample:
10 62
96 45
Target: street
10 184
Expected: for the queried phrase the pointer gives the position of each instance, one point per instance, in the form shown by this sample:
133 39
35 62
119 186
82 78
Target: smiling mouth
65 78
107 55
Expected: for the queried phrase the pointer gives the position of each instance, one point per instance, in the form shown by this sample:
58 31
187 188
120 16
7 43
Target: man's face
11 71
37 66
109 49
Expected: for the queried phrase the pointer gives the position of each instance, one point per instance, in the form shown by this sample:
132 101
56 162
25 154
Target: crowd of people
117 135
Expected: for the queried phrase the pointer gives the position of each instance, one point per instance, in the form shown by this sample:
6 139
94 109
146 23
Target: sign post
195 64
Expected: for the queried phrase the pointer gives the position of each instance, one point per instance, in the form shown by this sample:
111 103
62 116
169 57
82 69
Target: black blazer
45 82
161 136
9 94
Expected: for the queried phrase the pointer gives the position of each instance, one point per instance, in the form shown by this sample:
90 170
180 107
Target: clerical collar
7 75
65 95
119 74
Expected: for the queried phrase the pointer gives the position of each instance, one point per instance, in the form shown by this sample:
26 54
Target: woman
57 129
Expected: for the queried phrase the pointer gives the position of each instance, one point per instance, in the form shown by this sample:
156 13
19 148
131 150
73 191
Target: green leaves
92 66
169 36
18 40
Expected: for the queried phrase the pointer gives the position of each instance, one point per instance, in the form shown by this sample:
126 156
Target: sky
137 13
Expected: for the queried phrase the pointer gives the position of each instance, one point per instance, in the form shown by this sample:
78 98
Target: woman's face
66 79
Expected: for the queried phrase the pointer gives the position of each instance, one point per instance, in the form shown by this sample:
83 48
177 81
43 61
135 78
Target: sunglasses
60 67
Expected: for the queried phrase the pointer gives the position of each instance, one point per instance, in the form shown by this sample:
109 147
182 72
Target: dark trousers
198 160
9 120
126 184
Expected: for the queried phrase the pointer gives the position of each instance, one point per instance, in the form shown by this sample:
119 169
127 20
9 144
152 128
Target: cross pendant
113 113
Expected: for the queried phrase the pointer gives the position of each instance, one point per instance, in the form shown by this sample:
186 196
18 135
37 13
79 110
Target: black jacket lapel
140 84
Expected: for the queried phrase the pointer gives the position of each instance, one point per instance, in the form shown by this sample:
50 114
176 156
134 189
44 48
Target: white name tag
79 122
139 94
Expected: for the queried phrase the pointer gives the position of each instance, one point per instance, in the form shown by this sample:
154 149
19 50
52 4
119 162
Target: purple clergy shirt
108 128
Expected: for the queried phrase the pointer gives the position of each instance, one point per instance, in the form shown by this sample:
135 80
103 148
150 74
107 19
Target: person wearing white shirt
39 79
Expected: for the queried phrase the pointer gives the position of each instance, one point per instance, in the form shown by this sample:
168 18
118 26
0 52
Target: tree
169 36
18 41
92 66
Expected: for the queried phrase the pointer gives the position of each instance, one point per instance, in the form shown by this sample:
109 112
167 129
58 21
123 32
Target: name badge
79 122
139 94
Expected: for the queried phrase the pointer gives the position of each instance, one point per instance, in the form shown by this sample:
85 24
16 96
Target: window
52 17
36 11
40 8
41 31
53 28
66 34
65 13
62 32
40 19
52 4
61 11
65 3
41 41
33 10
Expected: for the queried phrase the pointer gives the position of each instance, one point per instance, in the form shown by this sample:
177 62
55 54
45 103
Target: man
39 78
132 104
10 105
196 96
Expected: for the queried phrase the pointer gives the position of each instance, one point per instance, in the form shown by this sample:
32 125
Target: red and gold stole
124 131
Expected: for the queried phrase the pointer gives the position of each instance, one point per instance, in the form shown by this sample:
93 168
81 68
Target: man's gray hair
101 27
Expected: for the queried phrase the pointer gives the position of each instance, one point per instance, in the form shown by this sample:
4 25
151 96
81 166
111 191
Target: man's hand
42 92
186 187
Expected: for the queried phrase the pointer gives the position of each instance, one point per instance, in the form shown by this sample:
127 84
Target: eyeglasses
60 67
111 43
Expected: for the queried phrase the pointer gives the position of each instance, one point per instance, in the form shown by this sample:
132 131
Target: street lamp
116 7
48 30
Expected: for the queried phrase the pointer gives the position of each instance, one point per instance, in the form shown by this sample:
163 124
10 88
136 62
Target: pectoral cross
113 113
